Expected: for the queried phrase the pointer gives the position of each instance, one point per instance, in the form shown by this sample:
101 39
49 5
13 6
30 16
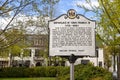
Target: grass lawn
27 78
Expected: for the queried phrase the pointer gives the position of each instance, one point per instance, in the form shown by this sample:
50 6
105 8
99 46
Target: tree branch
109 16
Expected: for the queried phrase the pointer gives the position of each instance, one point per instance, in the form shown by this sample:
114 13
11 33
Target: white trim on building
97 61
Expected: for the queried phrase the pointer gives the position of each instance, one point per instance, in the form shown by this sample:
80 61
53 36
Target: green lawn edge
41 78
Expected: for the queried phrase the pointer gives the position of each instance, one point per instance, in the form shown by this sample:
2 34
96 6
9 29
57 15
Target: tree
108 26
47 14
15 39
10 35
10 10
34 14
107 14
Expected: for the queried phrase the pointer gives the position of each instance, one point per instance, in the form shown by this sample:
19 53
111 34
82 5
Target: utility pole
114 66
118 67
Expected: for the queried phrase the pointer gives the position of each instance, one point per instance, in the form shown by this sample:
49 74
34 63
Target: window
37 52
85 62
100 63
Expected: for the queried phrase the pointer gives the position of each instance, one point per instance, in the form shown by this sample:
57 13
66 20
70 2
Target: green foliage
11 72
108 26
41 78
62 71
28 72
26 52
13 39
15 50
4 53
82 72
89 72
51 71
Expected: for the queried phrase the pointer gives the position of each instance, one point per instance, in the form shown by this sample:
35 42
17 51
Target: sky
64 5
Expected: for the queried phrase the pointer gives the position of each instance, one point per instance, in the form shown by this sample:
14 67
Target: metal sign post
71 71
72 60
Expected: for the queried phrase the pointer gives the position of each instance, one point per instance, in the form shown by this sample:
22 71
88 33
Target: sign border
66 16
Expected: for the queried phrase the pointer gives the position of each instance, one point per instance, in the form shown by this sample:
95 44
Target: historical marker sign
72 33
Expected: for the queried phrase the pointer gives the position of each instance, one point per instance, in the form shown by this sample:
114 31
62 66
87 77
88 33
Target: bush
89 72
82 72
29 72
49 71
11 72
63 73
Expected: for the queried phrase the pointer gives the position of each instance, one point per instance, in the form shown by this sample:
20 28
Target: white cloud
88 5
31 29
4 22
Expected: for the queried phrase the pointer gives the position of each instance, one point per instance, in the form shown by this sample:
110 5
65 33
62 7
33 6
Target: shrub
63 73
89 72
42 71
11 72
51 71
29 72
82 72
61 70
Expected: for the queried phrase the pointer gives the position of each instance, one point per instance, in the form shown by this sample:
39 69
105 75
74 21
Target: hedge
88 72
28 72
82 72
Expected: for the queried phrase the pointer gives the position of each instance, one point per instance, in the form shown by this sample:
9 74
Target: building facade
34 54
30 56
98 60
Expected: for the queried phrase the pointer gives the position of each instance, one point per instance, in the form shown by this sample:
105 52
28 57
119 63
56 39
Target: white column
9 61
22 57
101 56
32 57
